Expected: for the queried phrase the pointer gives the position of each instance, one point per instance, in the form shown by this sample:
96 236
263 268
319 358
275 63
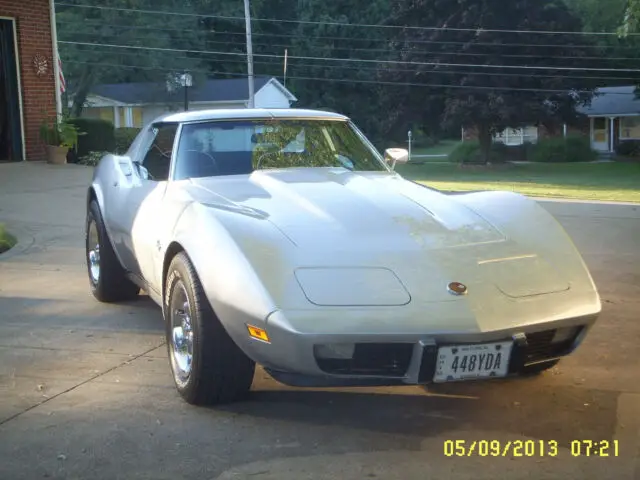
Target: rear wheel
208 367
539 367
107 278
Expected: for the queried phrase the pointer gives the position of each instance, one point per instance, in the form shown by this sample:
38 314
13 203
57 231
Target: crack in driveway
84 382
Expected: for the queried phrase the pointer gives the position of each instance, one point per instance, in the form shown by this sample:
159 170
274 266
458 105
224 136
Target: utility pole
285 68
247 18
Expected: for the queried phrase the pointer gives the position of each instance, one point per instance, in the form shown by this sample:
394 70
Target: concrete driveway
86 392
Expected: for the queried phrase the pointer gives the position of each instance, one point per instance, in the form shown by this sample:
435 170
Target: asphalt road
86 392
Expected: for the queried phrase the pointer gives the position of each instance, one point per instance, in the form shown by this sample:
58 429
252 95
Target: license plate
466 362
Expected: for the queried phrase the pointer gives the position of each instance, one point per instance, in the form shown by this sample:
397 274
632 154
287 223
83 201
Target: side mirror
396 155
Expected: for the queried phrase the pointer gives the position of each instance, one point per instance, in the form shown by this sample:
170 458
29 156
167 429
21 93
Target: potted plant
59 138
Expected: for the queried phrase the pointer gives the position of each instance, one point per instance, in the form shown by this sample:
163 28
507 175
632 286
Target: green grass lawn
445 147
6 239
586 181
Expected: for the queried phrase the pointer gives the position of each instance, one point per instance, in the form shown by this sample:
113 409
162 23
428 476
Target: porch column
116 117
611 140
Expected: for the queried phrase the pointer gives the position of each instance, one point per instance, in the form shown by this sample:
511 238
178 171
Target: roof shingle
612 101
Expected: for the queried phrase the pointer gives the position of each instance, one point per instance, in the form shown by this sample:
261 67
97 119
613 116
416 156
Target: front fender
533 227
228 279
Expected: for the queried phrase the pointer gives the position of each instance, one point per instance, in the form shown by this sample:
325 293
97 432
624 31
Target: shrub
628 148
98 136
574 148
124 139
510 153
466 152
469 152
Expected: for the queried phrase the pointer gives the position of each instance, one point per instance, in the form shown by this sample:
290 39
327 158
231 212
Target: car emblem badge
457 288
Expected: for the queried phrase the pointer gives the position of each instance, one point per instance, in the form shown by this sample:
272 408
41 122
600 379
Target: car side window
157 160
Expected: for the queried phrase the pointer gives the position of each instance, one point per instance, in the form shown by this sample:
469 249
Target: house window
630 128
136 113
106 113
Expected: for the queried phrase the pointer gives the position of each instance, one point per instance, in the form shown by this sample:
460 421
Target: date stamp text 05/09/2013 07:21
530 448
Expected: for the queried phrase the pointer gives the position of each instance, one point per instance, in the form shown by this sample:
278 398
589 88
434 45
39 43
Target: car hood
369 239
334 207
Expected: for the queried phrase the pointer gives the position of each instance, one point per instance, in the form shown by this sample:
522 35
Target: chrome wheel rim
181 333
93 253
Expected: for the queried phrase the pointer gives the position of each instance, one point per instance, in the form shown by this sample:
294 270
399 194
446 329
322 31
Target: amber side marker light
258 333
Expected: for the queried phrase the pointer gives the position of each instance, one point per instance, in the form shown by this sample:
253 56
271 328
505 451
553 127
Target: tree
339 85
631 22
598 16
500 79
96 28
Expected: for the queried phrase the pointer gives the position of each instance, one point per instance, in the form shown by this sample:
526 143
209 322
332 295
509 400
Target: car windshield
240 147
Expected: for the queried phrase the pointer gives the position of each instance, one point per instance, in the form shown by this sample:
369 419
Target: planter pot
57 155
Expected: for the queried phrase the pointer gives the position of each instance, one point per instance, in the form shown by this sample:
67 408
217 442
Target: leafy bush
511 153
469 152
61 133
466 152
99 136
573 148
628 148
124 138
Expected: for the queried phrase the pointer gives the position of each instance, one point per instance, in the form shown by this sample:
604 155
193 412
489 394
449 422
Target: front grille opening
540 346
379 359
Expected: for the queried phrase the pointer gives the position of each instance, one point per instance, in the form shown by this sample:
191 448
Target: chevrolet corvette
284 238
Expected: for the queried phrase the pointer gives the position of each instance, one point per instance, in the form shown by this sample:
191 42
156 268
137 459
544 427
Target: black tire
220 372
538 368
111 284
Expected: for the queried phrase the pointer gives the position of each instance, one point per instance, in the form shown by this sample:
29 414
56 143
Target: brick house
29 76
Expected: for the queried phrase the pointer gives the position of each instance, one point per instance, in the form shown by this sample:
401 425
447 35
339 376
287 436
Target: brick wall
33 23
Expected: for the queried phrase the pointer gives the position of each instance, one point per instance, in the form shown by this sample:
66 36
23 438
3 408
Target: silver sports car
283 238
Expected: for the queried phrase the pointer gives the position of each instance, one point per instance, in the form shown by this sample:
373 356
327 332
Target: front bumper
293 358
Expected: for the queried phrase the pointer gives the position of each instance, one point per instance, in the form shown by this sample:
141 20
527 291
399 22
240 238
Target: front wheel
208 367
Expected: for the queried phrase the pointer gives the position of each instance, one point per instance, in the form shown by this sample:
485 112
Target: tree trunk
484 136
84 85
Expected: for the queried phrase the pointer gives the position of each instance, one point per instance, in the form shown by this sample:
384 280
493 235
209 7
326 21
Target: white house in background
517 136
136 104
614 117
509 136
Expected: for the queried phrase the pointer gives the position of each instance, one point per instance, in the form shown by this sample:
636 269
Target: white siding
271 96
